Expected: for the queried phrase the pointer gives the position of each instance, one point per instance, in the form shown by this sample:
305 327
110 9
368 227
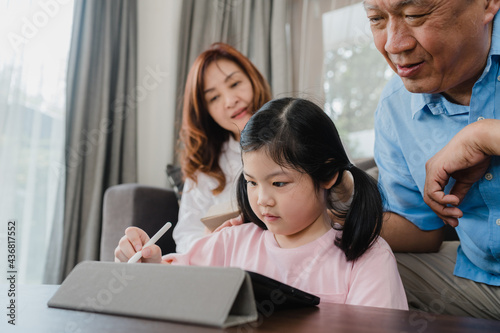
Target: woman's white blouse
198 198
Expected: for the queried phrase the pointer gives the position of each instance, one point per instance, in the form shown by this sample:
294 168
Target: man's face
435 46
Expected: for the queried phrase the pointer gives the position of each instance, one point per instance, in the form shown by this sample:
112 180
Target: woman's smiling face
229 95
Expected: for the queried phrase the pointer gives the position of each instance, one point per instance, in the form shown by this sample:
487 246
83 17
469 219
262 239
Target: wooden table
33 315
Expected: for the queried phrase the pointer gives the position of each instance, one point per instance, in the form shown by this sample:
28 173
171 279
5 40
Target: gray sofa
150 208
137 205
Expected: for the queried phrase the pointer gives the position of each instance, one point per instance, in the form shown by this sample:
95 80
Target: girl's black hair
297 134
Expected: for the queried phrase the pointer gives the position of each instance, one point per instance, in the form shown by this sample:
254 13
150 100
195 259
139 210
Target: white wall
158 25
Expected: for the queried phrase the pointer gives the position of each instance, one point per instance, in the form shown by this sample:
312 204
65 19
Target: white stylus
153 240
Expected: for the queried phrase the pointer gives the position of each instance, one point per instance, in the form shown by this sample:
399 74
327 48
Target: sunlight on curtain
33 61
354 75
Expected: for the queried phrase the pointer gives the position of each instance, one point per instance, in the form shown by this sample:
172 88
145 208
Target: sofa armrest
146 207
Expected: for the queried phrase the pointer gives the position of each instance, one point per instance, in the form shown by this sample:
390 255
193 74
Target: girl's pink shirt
318 267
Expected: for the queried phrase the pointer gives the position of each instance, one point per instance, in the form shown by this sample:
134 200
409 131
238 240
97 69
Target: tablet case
282 295
213 296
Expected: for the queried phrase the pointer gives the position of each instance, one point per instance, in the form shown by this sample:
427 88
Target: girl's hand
229 223
132 242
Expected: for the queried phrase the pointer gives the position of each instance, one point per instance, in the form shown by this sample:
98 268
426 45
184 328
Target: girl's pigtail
363 218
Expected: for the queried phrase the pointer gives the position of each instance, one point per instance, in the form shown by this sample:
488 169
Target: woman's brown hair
201 137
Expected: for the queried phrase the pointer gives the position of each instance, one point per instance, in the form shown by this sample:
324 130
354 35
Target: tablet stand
212 296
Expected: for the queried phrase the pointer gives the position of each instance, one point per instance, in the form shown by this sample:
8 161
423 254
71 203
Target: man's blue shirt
410 129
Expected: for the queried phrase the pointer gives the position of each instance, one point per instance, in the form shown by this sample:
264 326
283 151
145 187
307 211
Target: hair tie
349 166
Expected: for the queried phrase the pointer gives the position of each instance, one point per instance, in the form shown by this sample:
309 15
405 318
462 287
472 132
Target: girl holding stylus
294 171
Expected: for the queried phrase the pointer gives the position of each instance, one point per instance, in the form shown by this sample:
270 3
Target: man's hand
465 158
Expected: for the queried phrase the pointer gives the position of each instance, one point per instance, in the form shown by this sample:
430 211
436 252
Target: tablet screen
280 294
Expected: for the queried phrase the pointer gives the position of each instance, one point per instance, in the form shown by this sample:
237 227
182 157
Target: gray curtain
100 122
257 28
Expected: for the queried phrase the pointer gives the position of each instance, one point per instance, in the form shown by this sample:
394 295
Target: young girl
223 90
294 169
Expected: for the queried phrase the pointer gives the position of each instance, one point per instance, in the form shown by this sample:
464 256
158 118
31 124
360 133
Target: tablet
281 295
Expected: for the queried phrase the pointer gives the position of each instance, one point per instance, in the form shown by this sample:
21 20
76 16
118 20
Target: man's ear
490 10
329 183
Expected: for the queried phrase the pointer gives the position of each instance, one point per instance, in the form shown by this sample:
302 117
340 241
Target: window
33 61
354 75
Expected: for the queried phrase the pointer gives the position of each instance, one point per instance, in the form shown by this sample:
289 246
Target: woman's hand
132 242
231 222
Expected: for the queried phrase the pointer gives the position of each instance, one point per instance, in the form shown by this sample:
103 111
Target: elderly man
441 113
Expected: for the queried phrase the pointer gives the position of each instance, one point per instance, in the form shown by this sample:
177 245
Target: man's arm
404 236
466 158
